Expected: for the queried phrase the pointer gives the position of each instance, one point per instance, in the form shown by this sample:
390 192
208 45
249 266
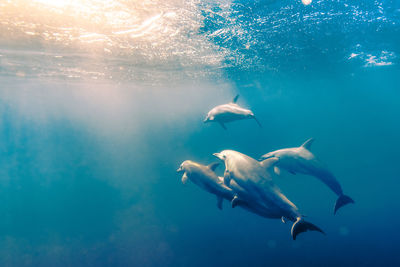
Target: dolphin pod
206 178
248 183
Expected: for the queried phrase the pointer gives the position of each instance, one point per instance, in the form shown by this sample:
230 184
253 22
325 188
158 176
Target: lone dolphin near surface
229 112
302 160
254 178
205 177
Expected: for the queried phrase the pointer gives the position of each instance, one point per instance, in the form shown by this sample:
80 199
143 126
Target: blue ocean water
101 101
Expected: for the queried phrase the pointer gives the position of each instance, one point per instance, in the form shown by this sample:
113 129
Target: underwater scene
199 133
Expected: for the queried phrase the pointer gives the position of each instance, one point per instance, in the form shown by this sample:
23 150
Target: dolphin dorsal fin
307 144
235 99
213 166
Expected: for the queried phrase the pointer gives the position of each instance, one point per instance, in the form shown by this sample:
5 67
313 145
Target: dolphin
302 160
229 112
206 178
255 179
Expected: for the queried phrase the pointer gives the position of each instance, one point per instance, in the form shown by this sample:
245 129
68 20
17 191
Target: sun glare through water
144 33
58 3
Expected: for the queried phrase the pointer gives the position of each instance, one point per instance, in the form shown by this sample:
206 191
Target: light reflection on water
156 40
107 36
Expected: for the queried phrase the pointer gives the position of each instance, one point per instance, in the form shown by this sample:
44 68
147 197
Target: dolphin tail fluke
300 226
342 201
258 122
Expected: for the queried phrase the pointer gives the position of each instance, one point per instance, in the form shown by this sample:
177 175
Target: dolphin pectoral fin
258 122
213 166
307 144
219 202
235 99
277 170
184 178
227 178
223 125
300 226
342 201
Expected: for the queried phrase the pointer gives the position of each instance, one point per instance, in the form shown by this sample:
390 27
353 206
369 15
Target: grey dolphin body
254 178
229 112
205 177
302 160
